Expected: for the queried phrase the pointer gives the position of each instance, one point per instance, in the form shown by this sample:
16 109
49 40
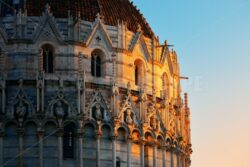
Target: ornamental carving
60 107
98 109
20 106
154 121
128 113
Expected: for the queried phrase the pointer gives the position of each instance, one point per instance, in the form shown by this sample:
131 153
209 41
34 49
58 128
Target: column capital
142 142
114 137
98 134
129 138
40 133
80 133
59 132
20 131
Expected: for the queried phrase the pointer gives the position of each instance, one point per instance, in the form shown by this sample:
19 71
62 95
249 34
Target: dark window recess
96 65
136 75
48 61
68 142
92 65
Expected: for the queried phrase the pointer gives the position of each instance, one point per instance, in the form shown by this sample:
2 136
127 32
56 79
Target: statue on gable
154 122
151 109
97 112
59 110
172 125
129 119
21 110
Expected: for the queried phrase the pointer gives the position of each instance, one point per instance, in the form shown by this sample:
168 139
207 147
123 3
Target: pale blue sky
212 39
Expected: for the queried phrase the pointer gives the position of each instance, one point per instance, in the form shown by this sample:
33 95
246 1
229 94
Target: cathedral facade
86 83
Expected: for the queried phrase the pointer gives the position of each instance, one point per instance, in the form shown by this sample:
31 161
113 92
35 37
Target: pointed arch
97 63
48 52
139 72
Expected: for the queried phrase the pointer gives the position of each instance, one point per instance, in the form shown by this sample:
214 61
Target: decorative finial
47 8
166 43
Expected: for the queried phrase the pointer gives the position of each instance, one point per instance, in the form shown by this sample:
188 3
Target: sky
212 40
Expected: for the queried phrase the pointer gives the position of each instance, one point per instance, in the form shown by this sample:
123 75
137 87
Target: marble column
20 132
142 153
114 151
80 148
129 152
178 159
164 156
1 148
155 155
60 147
98 150
172 157
40 138
2 83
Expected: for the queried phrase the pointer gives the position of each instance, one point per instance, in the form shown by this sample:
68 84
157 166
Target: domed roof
111 11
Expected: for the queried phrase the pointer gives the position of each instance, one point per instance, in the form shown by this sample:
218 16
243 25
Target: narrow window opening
136 75
48 59
68 142
96 65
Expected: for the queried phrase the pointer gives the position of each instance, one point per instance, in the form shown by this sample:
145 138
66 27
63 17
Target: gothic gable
20 106
99 36
60 107
153 118
98 109
139 46
47 30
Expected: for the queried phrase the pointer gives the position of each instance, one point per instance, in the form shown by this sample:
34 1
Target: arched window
68 141
136 75
96 63
48 59
139 73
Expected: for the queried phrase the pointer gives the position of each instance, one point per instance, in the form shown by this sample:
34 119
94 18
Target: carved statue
129 119
59 111
98 111
21 110
172 125
154 122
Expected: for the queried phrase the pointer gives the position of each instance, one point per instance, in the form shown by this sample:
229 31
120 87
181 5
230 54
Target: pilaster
154 154
1 147
60 146
164 156
98 149
20 133
80 148
129 140
142 144
40 134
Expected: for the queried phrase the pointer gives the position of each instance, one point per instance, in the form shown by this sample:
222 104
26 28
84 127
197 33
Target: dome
111 11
